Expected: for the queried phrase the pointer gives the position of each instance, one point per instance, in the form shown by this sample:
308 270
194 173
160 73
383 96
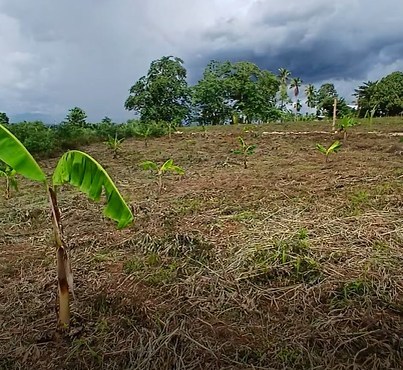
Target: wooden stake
334 115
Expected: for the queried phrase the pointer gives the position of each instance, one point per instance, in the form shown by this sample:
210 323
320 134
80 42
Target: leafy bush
69 136
136 128
35 136
106 129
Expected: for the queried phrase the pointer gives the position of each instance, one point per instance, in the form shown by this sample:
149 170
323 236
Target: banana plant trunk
7 192
159 184
64 273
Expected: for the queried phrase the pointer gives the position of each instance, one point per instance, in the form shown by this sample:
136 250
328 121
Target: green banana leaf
321 148
334 147
81 170
15 155
149 165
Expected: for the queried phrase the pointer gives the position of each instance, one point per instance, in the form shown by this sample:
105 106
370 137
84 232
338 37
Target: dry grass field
292 263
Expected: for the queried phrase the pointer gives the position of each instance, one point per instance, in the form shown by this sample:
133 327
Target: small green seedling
168 166
331 149
204 130
171 126
245 150
345 124
115 144
371 113
144 132
11 182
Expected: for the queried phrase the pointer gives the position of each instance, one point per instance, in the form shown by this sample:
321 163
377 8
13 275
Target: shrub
35 136
69 136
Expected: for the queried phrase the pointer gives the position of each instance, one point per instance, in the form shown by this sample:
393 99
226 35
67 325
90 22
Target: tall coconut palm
283 76
311 96
295 84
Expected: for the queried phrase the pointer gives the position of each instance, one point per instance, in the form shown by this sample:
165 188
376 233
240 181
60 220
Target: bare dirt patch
290 263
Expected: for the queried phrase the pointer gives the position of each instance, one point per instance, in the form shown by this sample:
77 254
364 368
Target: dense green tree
162 95
4 120
386 96
253 91
211 94
76 117
325 98
240 90
365 97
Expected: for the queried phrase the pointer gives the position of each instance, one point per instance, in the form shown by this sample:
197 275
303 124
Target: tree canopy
325 101
4 120
383 97
233 91
163 94
76 117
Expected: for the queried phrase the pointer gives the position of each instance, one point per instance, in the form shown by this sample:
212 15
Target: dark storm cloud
58 54
316 40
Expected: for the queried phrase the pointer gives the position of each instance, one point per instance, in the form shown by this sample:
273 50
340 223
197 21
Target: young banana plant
144 132
345 124
245 150
115 144
168 166
80 170
11 182
333 148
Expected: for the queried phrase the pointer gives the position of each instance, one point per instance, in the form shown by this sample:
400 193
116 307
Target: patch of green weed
290 258
133 265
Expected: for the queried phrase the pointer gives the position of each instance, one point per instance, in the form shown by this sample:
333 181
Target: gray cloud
58 54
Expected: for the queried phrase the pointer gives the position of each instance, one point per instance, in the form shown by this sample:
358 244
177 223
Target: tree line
241 92
228 92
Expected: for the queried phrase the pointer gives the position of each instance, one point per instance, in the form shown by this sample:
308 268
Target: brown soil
289 264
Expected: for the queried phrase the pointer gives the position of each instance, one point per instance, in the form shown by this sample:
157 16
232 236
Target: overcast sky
56 54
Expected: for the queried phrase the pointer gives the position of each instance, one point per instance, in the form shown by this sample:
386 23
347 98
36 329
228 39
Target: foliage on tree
4 120
253 92
162 95
211 95
283 76
76 117
107 120
295 84
241 91
325 101
311 96
383 97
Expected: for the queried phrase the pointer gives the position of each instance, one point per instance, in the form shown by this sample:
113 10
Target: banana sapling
80 170
245 150
333 148
168 166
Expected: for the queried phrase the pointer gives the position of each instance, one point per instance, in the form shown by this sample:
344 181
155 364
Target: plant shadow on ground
286 264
